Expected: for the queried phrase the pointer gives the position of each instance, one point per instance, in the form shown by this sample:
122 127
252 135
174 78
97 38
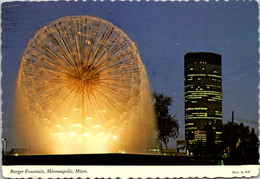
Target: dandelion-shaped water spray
82 88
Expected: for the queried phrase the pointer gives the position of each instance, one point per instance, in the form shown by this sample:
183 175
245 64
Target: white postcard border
24 171
30 171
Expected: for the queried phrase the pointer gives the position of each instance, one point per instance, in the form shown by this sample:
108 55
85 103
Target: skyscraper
203 97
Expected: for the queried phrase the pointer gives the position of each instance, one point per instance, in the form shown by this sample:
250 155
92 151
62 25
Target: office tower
203 98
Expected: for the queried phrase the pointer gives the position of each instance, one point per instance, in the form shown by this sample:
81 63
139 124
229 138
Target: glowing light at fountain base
127 131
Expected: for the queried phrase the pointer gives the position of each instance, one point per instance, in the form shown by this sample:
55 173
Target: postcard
130 89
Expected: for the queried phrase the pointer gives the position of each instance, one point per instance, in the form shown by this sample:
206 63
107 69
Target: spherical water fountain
82 88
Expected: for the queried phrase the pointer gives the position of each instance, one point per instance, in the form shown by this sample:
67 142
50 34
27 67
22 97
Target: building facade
203 97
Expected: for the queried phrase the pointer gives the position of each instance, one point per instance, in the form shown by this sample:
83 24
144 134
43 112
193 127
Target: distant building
169 151
181 147
203 97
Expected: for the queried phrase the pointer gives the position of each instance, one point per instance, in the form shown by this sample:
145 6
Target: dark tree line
168 126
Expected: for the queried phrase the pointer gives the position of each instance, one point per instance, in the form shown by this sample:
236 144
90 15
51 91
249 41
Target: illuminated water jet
82 88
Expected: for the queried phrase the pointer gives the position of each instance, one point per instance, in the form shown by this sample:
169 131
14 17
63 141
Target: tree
168 126
242 143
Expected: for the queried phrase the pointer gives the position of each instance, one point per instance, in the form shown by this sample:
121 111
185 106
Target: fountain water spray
82 88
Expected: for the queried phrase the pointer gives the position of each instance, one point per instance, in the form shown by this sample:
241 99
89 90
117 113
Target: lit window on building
200 135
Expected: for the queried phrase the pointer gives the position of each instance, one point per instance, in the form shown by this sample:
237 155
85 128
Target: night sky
163 32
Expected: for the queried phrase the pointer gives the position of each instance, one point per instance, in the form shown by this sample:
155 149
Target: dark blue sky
163 32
